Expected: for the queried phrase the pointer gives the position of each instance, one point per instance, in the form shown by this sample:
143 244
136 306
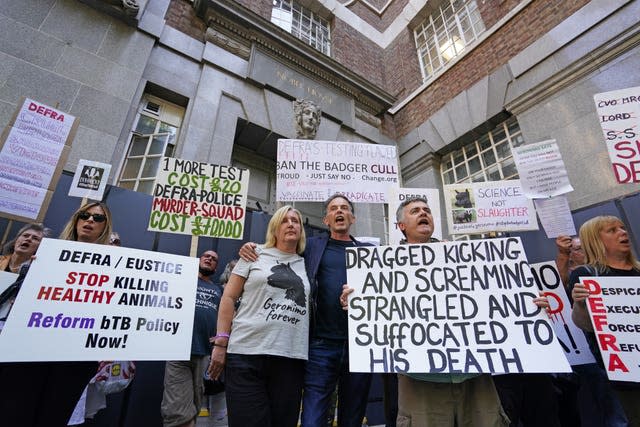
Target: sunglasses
96 217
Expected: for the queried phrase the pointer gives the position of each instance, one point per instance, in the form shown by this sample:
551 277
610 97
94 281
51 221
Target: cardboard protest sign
199 199
541 170
33 149
90 179
619 116
84 301
311 171
614 305
482 207
452 307
571 337
398 195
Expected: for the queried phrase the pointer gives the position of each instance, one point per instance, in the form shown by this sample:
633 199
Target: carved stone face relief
307 116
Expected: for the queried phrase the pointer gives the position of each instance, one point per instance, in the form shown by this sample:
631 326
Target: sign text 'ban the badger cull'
614 305
311 171
453 307
102 303
199 199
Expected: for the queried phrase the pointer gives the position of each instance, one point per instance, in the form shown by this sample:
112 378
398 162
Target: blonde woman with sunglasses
43 394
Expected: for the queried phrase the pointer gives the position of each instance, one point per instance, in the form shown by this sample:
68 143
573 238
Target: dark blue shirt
205 317
331 319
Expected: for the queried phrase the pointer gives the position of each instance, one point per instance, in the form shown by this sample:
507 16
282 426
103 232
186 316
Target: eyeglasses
96 217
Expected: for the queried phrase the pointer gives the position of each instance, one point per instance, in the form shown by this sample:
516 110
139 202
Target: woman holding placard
264 347
607 250
43 394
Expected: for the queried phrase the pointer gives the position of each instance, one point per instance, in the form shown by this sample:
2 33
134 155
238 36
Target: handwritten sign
90 179
555 216
571 337
199 199
82 301
619 115
33 149
488 206
311 171
614 304
541 170
399 195
454 307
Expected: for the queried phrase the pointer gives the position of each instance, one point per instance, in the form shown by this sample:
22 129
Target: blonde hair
594 250
274 223
70 231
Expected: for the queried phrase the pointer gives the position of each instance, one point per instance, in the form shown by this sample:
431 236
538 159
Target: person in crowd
23 247
328 363
607 250
570 255
226 274
114 240
434 400
184 380
265 345
18 253
53 387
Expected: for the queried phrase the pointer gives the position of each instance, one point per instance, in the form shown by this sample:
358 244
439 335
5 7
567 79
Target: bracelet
222 335
219 345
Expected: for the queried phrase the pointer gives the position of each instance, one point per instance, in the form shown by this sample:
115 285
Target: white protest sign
541 169
399 195
619 116
311 171
614 304
82 301
482 207
90 179
33 149
452 307
199 199
555 216
571 337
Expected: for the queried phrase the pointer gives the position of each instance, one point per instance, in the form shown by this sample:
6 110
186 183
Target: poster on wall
449 307
104 303
613 306
199 199
33 149
482 207
541 170
570 337
311 171
399 195
90 179
619 116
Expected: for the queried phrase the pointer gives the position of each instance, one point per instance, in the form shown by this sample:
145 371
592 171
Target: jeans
328 366
608 407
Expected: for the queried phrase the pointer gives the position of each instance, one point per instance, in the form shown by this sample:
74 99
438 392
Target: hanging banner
82 301
90 179
614 304
541 170
33 149
199 199
619 115
482 207
571 337
399 195
451 307
311 171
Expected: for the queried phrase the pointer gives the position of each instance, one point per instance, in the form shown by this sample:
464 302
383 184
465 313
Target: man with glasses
184 380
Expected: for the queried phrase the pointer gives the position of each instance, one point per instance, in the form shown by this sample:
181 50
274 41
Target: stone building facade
213 80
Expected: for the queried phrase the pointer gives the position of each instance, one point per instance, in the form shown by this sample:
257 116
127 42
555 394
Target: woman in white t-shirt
264 347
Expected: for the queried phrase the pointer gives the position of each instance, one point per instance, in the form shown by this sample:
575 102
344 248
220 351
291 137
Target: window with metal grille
153 136
446 33
487 158
302 23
